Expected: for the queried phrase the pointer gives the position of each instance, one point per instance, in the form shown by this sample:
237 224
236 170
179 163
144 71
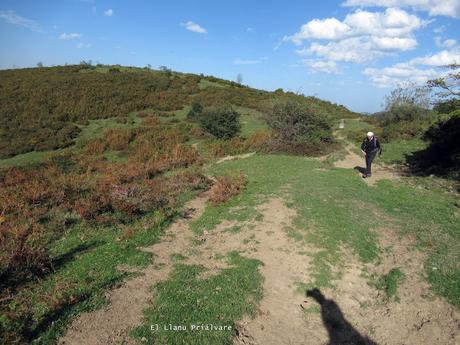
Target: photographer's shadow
361 170
340 331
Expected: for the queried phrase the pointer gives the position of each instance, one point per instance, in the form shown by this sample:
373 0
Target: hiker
370 147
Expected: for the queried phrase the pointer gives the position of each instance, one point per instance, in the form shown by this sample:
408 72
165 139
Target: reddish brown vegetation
258 141
118 138
226 187
38 203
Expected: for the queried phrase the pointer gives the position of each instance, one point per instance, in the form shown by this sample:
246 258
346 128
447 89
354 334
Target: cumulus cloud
191 26
449 43
71 36
442 58
398 74
361 37
108 13
449 8
329 67
393 22
12 18
418 70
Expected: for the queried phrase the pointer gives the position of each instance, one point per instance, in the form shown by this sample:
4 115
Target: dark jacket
371 146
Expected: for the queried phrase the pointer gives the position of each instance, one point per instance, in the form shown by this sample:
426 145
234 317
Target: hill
135 225
45 108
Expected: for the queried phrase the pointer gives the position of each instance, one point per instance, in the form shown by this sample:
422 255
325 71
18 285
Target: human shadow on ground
361 170
340 331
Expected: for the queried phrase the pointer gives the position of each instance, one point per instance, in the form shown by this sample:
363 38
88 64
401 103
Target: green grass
251 120
33 157
335 208
95 129
395 152
204 84
389 283
188 299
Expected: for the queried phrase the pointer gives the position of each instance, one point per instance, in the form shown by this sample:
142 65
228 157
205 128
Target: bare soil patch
379 172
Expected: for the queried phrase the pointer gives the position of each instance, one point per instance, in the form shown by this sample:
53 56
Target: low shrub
226 187
195 112
223 122
118 138
94 147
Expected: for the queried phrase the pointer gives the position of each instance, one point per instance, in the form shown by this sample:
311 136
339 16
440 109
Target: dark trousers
369 158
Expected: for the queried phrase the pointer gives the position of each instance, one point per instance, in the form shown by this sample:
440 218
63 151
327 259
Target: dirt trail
285 315
110 325
354 161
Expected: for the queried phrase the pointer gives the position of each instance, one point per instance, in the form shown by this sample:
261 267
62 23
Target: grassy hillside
97 162
44 108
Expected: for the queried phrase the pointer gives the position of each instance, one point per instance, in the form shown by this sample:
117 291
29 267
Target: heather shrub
226 187
94 147
118 138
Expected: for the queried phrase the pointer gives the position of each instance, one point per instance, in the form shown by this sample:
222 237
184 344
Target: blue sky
351 52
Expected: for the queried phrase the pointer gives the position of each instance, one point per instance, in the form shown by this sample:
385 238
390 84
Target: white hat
370 134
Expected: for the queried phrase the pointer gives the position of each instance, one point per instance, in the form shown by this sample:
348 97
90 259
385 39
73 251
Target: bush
405 112
448 106
442 156
223 122
226 187
404 130
297 124
195 112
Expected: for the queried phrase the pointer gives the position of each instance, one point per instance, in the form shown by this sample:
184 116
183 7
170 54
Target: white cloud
418 70
450 8
71 36
239 61
250 29
442 58
191 26
322 66
329 28
361 37
83 45
12 18
355 49
393 22
394 43
108 13
398 74
449 43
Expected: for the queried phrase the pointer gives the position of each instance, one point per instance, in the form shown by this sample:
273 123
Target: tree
408 94
408 102
449 84
40 64
222 121
239 78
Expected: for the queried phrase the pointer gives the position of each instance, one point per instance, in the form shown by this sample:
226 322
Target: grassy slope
311 187
335 209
